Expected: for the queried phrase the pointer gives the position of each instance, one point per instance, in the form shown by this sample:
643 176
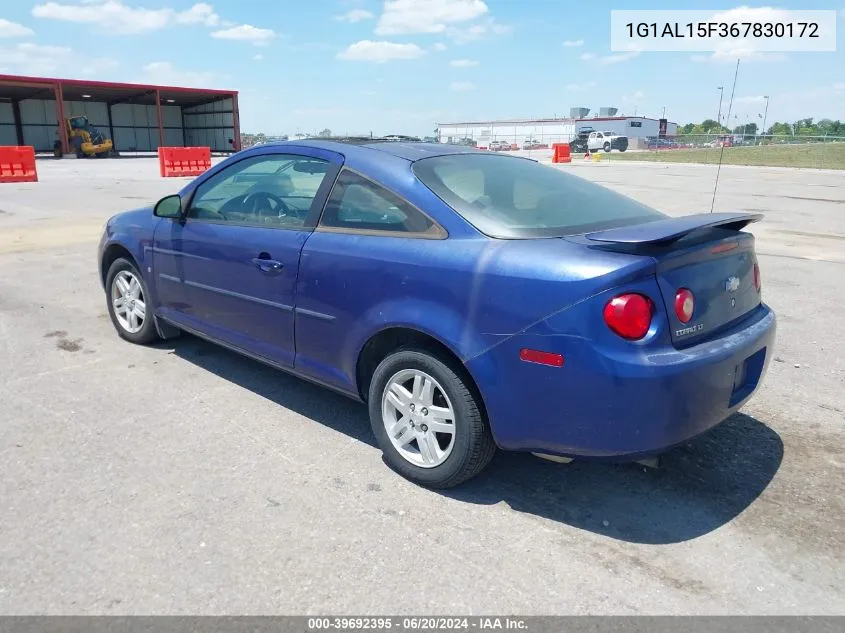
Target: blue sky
399 66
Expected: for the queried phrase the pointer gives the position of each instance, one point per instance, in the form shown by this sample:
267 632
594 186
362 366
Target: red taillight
684 304
757 282
542 358
629 315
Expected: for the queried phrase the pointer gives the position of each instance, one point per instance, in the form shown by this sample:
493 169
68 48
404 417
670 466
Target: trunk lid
707 254
720 274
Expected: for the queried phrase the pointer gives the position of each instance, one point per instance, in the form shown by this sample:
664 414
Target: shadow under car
699 487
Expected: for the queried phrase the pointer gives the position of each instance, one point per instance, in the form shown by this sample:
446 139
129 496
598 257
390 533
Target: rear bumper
610 405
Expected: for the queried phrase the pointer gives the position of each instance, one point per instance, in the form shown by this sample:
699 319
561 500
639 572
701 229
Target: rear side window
510 197
359 204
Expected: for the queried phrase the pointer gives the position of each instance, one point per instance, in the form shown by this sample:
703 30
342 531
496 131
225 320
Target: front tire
128 303
607 148
427 421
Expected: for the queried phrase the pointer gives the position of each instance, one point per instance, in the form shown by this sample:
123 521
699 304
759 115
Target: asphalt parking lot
182 478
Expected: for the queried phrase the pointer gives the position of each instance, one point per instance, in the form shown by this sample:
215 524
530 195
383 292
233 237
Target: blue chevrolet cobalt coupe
471 300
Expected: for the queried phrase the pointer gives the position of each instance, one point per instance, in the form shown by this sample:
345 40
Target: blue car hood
142 217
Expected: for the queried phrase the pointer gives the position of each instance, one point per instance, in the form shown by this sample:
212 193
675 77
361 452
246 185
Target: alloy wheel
127 298
419 418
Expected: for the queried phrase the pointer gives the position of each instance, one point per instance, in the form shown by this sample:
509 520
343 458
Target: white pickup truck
606 141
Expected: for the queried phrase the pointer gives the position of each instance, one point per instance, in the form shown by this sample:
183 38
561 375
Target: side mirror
169 207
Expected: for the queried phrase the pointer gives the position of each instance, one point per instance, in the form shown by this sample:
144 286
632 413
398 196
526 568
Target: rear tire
128 303
416 394
607 147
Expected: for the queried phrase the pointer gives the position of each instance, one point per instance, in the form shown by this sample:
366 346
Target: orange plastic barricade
17 164
183 161
561 153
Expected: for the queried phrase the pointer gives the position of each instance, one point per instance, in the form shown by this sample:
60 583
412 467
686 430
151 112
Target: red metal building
137 117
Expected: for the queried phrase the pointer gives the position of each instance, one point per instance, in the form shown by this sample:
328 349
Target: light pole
721 90
765 113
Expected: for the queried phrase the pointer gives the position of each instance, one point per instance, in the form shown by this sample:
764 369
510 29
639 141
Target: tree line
802 127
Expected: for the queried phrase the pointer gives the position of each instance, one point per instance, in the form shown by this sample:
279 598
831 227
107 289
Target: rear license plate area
740 374
747 376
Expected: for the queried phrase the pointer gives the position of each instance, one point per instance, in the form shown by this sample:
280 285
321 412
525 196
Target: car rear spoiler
671 229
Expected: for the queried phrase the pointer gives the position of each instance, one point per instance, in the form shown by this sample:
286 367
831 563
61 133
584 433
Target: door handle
266 265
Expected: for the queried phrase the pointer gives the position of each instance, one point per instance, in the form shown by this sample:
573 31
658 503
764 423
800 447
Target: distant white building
548 131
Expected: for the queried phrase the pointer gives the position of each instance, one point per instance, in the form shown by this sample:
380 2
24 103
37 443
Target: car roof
359 147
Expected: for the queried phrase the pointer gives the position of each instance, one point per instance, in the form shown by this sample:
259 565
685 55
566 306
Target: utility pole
664 113
721 90
765 113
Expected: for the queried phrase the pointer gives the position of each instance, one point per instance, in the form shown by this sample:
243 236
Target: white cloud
753 99
13 29
121 19
439 47
426 16
200 13
823 102
580 87
246 33
730 55
355 15
32 59
573 43
461 86
166 74
468 34
606 60
752 14
462 35
258 57
96 67
35 59
380 52
633 98
39 49
463 63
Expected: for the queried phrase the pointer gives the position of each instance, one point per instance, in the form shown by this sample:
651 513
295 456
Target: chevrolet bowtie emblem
732 284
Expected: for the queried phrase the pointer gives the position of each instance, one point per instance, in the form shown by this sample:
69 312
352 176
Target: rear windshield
509 197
